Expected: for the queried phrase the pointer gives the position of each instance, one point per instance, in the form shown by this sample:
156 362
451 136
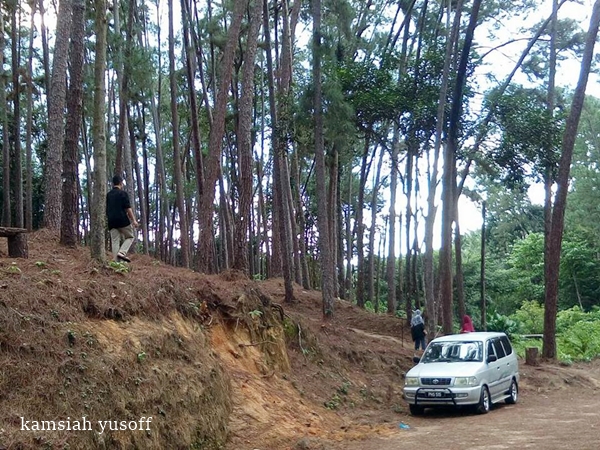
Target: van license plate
435 394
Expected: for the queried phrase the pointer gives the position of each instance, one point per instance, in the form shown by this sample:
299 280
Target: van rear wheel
484 401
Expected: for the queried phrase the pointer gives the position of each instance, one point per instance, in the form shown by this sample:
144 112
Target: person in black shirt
121 220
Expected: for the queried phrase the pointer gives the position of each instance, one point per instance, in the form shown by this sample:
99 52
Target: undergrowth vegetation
577 331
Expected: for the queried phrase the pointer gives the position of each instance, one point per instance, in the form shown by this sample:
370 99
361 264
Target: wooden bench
17 241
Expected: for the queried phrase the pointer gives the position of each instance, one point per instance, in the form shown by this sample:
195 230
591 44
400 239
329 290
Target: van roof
475 336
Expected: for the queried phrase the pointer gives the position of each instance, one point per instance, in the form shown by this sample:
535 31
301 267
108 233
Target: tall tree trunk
279 129
17 176
45 50
334 224
56 124
244 140
301 224
408 184
190 65
349 241
29 129
183 227
391 259
215 145
449 175
430 292
6 209
341 232
139 182
360 227
460 284
325 241
372 252
70 215
98 214
482 270
549 172
562 180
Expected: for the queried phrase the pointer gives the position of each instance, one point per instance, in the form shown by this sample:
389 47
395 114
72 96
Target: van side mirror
492 358
416 359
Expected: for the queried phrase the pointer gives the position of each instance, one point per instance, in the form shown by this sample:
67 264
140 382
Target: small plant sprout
119 267
40 264
141 356
13 268
255 313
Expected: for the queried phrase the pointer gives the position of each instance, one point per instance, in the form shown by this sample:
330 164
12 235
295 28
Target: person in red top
467 325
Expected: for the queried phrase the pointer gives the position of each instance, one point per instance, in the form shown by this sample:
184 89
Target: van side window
498 347
490 349
506 344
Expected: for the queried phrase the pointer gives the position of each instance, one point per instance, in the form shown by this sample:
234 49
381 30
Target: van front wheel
484 401
416 410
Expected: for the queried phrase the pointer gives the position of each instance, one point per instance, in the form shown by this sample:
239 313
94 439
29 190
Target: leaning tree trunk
98 215
562 180
70 216
56 124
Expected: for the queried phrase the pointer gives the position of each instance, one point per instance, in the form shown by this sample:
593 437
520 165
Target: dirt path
566 419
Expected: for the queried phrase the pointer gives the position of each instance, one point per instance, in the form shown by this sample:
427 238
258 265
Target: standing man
121 220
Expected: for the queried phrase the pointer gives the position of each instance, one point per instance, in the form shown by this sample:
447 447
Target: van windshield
453 352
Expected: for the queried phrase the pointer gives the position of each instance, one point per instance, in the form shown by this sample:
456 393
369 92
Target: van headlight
411 381
466 381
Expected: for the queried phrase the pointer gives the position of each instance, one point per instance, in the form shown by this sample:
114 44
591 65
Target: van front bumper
432 396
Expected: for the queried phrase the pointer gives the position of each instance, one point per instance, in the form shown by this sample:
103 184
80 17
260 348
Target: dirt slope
218 362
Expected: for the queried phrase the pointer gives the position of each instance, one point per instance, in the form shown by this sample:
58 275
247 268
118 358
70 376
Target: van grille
436 381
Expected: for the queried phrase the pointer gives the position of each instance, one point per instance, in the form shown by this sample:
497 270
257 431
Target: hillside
215 361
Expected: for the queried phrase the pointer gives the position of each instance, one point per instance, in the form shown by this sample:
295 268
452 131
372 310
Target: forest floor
332 385
557 409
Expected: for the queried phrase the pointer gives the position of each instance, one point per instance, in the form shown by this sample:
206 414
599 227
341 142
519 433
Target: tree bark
56 124
98 214
372 252
191 64
391 259
449 175
16 157
360 227
325 241
244 140
6 208
215 145
562 181
70 214
183 226
29 129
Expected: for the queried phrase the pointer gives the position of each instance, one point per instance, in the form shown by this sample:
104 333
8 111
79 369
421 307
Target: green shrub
499 322
580 342
530 317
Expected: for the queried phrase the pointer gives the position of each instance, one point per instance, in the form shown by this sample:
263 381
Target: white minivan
477 369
